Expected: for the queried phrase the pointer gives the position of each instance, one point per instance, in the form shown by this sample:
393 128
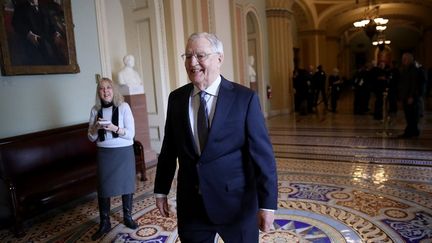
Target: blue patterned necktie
202 121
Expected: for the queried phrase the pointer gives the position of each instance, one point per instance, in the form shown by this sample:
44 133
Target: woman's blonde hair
117 97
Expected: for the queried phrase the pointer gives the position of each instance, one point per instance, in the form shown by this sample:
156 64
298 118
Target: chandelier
371 23
381 41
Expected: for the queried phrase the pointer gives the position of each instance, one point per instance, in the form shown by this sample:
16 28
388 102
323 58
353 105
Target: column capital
279 4
277 12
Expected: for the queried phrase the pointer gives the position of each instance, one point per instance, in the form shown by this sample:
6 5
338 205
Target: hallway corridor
348 178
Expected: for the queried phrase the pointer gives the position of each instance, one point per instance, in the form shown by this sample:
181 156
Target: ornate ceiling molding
279 13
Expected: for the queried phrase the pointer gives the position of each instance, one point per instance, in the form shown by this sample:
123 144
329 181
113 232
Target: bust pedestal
131 90
253 86
138 106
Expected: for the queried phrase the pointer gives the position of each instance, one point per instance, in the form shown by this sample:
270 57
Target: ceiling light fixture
371 23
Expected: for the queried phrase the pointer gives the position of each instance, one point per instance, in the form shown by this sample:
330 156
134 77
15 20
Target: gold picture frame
37 38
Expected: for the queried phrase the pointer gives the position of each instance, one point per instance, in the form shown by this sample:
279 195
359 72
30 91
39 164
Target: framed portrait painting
36 37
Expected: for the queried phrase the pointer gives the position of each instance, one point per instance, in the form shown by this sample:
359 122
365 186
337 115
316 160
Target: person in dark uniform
411 80
319 84
360 90
112 127
380 85
392 88
297 89
335 84
310 88
302 91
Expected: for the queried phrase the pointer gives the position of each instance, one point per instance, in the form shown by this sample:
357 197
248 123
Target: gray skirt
116 171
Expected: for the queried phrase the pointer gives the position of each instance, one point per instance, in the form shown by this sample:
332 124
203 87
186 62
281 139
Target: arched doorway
254 58
252 36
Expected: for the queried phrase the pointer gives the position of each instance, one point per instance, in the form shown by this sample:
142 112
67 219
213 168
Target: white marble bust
251 70
129 79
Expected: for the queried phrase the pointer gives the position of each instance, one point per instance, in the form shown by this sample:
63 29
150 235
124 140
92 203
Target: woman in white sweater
112 127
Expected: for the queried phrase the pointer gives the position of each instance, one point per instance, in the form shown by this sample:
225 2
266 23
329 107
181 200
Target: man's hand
162 205
265 220
33 38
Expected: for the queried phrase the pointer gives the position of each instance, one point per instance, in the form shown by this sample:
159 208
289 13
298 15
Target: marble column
281 63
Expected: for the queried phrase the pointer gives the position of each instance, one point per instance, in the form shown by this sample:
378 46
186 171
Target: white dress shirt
194 102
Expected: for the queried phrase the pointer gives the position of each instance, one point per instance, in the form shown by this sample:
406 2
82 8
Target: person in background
112 127
335 84
359 86
302 90
297 89
422 87
215 132
381 85
411 80
310 87
319 83
392 88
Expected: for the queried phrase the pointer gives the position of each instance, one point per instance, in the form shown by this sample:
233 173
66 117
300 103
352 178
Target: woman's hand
95 127
113 128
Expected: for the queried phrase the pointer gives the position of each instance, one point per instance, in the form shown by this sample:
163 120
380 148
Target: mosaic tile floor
340 180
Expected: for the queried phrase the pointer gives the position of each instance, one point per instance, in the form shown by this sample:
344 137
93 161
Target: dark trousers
322 91
335 93
197 228
392 100
379 102
412 117
361 100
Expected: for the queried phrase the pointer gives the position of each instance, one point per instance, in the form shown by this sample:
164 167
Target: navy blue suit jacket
236 172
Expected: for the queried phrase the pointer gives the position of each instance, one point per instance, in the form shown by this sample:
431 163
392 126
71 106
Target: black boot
105 224
127 211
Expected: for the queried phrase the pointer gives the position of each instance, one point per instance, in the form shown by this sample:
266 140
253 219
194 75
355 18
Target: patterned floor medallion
340 180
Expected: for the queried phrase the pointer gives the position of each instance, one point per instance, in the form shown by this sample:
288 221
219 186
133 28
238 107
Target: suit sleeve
261 154
167 160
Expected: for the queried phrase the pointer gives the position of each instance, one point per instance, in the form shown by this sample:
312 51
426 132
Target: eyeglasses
200 56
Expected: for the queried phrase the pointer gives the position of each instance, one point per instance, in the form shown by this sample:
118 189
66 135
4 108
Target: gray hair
409 56
117 96
215 43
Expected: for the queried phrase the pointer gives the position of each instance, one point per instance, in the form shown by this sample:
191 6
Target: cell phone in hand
104 122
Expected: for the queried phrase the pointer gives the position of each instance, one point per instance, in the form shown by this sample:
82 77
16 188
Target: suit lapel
189 139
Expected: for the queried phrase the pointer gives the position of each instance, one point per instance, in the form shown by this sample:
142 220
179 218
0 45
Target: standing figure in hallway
298 89
112 127
310 88
360 90
216 133
319 84
381 85
335 84
410 84
392 88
